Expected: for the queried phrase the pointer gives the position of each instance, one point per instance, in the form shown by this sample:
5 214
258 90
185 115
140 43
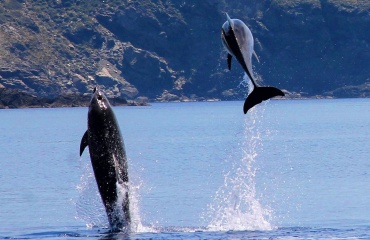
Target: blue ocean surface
290 169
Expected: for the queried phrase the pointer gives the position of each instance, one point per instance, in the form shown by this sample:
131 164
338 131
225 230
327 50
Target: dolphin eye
100 97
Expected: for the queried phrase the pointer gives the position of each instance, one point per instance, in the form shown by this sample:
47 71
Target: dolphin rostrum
238 41
108 159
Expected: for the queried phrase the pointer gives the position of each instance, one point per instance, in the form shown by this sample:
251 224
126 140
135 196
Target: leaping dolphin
238 41
108 159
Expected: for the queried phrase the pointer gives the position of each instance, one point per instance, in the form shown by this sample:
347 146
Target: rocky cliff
171 50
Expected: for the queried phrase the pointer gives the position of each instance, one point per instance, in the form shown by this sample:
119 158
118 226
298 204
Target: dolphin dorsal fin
229 57
84 142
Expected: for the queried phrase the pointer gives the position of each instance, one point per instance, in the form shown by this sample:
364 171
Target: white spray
90 208
236 205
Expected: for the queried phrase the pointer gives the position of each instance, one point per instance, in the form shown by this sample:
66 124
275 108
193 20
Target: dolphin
238 41
108 159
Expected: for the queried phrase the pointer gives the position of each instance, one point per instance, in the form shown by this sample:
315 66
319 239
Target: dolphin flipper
255 55
229 57
84 142
260 94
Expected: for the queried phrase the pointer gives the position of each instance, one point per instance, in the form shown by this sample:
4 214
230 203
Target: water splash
90 208
236 205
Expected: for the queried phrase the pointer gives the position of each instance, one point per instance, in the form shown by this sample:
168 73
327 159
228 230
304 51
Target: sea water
288 169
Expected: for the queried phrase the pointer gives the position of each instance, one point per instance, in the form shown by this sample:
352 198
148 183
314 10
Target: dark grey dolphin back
108 159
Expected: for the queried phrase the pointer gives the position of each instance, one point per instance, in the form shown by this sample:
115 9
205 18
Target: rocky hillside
168 50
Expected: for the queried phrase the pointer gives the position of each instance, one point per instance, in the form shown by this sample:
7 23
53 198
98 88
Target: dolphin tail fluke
260 94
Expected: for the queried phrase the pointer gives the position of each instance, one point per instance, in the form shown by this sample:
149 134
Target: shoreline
131 103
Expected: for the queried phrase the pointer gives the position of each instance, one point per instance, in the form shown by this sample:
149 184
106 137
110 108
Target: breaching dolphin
238 41
108 159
